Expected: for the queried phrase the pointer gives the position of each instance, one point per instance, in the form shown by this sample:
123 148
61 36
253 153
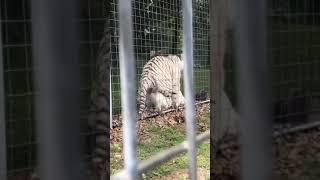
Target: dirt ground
174 120
295 156
202 174
168 119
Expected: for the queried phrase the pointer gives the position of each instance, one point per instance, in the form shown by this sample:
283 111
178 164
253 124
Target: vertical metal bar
218 22
216 59
57 84
111 116
3 145
128 89
188 86
254 90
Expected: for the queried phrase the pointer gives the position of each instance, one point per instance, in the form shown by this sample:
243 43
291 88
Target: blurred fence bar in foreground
254 89
3 144
189 86
127 82
57 83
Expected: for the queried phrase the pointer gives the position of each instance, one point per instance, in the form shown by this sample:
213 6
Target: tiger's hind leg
167 93
175 101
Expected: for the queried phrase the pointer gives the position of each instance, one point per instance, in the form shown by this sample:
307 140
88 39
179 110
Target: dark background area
294 51
19 70
294 59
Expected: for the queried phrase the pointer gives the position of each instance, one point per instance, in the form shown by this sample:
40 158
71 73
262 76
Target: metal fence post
188 86
58 88
3 145
111 117
128 83
217 42
254 90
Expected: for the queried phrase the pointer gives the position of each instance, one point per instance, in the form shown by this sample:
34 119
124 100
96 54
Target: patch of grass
164 138
204 155
181 162
204 118
116 158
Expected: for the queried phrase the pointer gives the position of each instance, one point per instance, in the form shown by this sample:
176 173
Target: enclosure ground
162 132
296 157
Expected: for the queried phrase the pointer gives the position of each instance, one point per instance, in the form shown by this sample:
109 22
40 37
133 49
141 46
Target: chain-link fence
19 68
157 26
133 169
19 91
293 67
295 58
293 42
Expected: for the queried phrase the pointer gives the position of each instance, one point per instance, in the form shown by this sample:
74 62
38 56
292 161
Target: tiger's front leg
176 92
158 110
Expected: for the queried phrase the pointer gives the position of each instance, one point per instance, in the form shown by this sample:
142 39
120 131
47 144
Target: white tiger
162 73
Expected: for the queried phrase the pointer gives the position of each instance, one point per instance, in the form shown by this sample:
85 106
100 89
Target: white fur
178 100
161 103
162 73
158 101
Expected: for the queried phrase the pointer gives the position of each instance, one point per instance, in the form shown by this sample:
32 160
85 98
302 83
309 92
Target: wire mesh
295 60
92 23
293 37
3 147
293 40
19 71
157 26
